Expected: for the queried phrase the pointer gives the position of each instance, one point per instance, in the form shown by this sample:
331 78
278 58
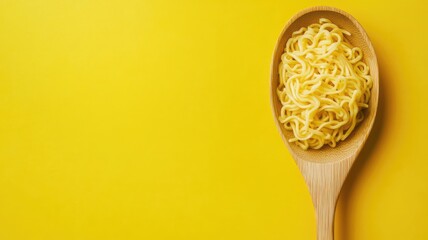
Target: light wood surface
325 170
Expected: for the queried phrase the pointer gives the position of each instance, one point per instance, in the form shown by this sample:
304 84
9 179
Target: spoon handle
324 208
324 181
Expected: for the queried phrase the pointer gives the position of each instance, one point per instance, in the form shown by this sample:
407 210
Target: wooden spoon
325 169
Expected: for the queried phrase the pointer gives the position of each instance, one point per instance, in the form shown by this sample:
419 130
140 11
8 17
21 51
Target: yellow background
151 120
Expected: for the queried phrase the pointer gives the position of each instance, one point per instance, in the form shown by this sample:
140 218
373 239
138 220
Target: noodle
324 85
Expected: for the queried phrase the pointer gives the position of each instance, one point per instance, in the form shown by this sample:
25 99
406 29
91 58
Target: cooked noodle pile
324 85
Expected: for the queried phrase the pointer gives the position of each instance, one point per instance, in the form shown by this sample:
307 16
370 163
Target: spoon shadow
362 162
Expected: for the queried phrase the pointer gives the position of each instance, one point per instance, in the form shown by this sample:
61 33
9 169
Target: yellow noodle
324 85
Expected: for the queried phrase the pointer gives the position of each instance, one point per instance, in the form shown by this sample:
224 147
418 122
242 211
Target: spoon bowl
325 169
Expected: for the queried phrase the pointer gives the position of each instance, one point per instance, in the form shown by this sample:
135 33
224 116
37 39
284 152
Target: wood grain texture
325 170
